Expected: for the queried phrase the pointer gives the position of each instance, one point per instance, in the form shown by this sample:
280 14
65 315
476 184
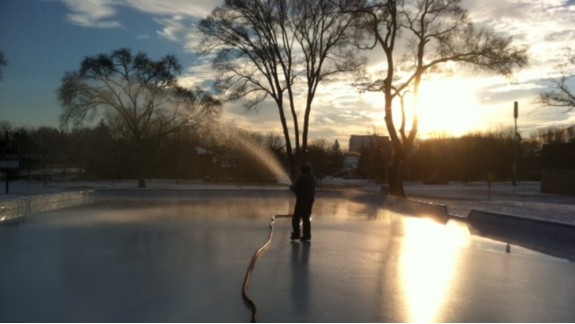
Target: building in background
369 156
357 143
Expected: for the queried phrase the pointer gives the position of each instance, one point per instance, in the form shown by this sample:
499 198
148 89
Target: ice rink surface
181 256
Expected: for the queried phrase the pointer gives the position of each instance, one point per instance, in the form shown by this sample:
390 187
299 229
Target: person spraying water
304 189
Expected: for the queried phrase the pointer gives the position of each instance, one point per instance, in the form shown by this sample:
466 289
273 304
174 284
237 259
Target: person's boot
294 236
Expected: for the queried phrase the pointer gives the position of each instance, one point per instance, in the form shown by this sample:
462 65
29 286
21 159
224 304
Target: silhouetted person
304 189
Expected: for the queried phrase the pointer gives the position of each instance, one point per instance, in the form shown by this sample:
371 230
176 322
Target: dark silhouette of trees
275 144
335 158
243 156
553 135
102 158
99 153
139 97
324 158
76 152
529 160
178 155
562 94
374 158
318 155
418 38
468 158
48 146
473 157
282 50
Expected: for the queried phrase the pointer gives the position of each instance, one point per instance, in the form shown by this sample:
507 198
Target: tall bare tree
562 95
280 49
418 37
140 97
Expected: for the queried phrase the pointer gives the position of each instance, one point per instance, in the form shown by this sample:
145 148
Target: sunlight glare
428 263
448 106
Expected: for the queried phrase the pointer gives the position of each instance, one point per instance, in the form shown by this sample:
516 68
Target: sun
448 107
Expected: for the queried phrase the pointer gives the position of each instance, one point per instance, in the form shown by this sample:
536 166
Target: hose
248 276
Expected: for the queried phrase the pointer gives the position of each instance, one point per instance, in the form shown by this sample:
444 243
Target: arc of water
255 149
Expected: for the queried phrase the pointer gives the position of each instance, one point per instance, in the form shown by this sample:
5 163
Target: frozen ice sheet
182 258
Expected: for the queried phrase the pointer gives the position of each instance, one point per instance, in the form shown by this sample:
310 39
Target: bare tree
555 135
279 49
562 95
419 37
137 95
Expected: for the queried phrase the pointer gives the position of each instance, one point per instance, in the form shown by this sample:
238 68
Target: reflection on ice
151 256
428 261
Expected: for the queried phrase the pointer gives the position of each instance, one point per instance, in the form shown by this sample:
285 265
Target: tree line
479 156
103 153
99 153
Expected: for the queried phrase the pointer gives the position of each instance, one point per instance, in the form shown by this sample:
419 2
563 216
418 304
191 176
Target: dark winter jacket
304 188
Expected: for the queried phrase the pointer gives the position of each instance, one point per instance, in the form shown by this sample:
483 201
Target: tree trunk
395 179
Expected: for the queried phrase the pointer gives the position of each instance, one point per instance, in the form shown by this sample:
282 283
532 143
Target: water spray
255 257
240 139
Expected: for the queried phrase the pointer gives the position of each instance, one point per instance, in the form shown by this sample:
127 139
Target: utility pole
514 167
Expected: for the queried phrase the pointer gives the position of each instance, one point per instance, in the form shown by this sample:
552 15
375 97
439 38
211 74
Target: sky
43 39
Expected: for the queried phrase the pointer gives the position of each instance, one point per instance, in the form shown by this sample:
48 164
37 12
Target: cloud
92 13
98 13
529 22
560 36
176 17
174 28
196 8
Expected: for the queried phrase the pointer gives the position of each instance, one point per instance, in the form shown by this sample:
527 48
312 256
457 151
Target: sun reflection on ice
428 261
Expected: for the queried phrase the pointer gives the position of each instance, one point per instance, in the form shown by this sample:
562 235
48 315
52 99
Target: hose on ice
255 257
